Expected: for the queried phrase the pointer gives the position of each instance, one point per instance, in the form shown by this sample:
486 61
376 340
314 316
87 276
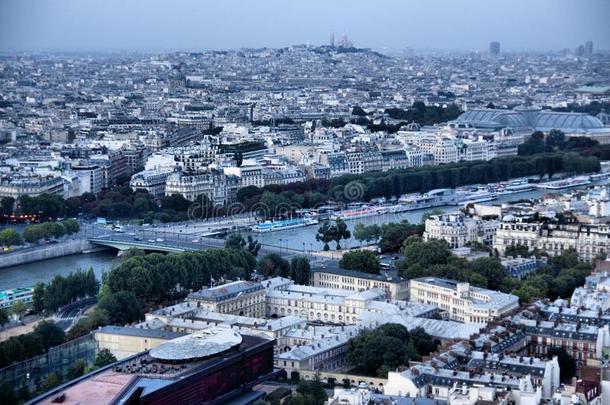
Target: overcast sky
167 25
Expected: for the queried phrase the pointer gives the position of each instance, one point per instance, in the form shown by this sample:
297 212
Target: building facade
461 301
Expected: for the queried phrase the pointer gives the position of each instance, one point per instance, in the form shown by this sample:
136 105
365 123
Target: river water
299 238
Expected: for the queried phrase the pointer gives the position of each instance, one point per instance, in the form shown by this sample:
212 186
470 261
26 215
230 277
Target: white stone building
460 300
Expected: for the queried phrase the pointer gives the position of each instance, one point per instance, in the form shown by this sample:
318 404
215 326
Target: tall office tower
580 50
332 39
589 48
494 48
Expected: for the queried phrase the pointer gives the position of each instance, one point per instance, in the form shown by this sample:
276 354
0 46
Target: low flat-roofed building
520 267
395 287
460 300
126 341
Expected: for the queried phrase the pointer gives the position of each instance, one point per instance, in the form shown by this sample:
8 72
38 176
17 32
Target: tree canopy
360 260
383 349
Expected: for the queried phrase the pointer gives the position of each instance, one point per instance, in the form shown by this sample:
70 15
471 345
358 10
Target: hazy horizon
190 25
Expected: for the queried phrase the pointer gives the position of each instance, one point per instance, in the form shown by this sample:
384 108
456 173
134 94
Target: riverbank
46 252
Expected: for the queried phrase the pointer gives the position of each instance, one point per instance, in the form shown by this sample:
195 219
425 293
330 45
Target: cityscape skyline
154 26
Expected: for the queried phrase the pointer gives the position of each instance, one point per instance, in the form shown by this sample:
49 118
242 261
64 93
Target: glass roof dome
532 119
548 120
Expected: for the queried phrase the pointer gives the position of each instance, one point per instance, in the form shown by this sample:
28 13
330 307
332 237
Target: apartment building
152 181
211 184
554 237
458 229
583 342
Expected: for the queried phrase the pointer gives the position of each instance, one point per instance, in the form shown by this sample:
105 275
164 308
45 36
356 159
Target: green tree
50 334
272 265
274 205
175 202
426 253
360 260
10 237
341 232
38 298
51 381
7 394
32 234
366 232
131 252
533 145
326 234
104 357
3 317
71 226
422 341
300 270
393 235
236 241
76 370
19 308
122 307
517 250
95 319
309 393
7 205
382 349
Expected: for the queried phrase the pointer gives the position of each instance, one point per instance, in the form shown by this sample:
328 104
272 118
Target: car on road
151 241
137 238
195 241
159 239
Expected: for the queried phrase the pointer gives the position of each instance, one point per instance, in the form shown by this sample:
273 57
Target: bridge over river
164 240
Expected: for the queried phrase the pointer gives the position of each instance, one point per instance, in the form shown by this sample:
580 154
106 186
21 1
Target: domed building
532 118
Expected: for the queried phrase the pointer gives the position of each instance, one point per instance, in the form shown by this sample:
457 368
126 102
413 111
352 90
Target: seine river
300 238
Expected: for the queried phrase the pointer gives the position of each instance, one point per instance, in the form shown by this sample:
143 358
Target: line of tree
155 278
280 200
593 108
554 141
366 233
434 259
396 182
120 308
64 290
423 114
120 202
47 230
377 351
18 348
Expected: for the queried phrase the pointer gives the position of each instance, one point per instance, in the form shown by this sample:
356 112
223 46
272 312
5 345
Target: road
65 318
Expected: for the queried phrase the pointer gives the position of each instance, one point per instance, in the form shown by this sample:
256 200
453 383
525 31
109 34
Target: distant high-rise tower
332 39
589 48
494 48
580 50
